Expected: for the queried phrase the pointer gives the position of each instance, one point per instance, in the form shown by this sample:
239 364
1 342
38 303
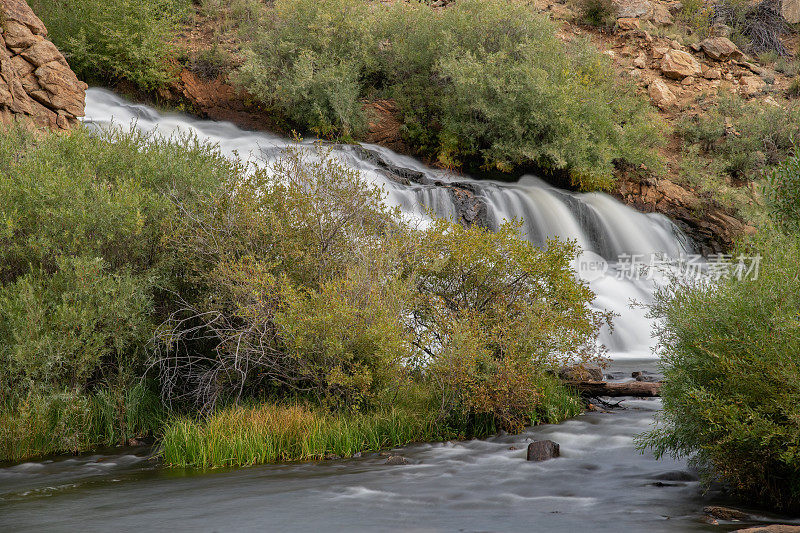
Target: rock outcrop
721 48
35 79
712 228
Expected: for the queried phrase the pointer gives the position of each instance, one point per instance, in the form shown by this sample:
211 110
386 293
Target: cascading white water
599 223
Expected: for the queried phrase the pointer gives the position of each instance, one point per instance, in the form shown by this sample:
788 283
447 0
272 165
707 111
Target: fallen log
603 388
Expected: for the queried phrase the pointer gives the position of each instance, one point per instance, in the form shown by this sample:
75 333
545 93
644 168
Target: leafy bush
309 61
61 329
698 15
784 193
294 284
602 13
305 283
508 94
496 314
115 40
732 381
82 268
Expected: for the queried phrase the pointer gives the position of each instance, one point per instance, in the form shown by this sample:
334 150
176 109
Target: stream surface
600 482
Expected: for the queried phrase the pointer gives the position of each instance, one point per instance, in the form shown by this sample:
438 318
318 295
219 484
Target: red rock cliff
35 79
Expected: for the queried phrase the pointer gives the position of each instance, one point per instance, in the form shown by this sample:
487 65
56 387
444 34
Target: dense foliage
481 83
115 40
121 252
305 282
732 387
82 269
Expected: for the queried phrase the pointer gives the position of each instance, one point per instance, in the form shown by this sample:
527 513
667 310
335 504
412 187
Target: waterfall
603 227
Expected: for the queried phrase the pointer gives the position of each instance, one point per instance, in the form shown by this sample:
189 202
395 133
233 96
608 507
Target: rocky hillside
36 81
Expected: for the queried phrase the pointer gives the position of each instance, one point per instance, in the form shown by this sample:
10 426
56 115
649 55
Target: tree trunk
603 388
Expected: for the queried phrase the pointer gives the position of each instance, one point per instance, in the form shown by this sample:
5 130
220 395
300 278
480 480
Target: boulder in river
396 460
542 450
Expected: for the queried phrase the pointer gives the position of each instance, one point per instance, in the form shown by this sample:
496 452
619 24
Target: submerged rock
397 460
726 513
542 450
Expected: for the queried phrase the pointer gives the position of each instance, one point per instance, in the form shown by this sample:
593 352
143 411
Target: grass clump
272 432
600 13
506 95
127 40
69 421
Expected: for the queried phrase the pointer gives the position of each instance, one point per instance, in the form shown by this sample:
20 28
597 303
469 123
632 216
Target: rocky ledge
35 80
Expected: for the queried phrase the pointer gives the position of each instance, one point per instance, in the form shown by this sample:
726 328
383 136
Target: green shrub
307 284
109 41
793 91
62 329
503 95
789 67
497 314
602 13
309 59
698 16
82 266
784 193
732 382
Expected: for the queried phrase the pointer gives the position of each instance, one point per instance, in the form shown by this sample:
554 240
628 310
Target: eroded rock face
712 228
35 79
660 93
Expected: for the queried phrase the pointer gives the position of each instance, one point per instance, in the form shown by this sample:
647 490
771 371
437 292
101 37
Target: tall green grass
69 422
270 433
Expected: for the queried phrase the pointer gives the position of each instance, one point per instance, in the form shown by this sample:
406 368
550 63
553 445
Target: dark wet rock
542 450
513 448
726 513
404 176
397 460
332 457
470 205
356 455
643 376
676 475
135 441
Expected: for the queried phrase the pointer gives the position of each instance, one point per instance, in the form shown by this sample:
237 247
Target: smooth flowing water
600 482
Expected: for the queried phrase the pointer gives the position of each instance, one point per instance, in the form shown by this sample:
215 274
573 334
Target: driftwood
603 388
